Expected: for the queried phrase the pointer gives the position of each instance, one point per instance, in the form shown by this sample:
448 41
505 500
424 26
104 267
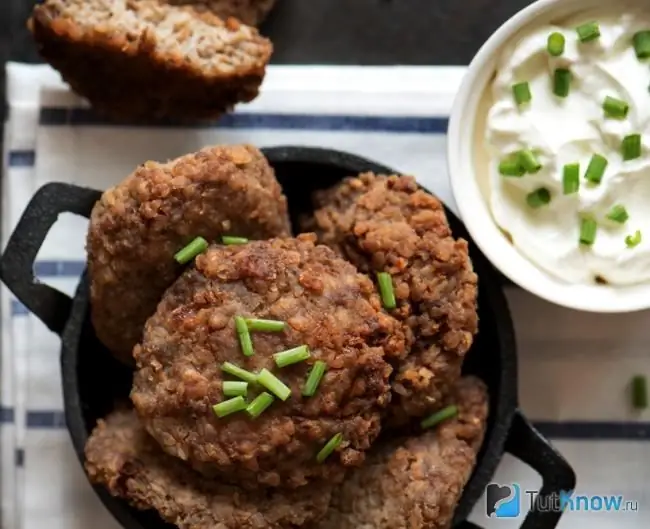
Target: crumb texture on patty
415 483
137 227
388 224
143 59
326 304
250 12
123 458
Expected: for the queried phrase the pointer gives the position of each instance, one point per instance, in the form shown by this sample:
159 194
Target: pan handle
529 446
17 262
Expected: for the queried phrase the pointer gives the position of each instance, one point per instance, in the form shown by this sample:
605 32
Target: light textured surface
573 366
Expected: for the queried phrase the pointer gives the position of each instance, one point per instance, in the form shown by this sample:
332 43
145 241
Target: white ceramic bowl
472 203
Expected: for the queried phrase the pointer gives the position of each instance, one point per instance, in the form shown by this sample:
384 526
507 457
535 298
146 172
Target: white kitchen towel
574 367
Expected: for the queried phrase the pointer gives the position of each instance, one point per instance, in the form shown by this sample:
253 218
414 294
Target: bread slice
251 12
144 60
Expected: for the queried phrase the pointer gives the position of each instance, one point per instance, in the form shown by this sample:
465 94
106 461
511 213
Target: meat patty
388 224
137 227
143 60
250 12
415 483
326 304
124 459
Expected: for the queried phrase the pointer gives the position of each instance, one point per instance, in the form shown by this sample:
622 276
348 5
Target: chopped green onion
555 44
255 324
561 82
386 290
596 169
292 356
197 246
571 178
641 42
439 416
639 392
631 147
273 384
633 240
511 166
529 161
588 32
588 231
538 198
259 404
244 336
615 108
234 388
230 241
331 445
618 214
227 407
314 378
238 372
521 93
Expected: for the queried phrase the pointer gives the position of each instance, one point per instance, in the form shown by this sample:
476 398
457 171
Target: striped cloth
574 367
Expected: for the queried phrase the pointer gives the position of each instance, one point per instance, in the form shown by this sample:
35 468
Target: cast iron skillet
93 381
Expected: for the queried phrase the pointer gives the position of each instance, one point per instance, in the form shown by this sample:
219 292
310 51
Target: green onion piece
587 231
259 404
230 241
273 384
197 246
618 214
313 380
439 416
555 44
561 82
386 290
511 166
521 93
641 41
331 445
238 372
615 108
292 356
538 198
255 324
596 169
633 240
631 147
529 161
571 178
588 32
244 336
639 392
227 407
234 388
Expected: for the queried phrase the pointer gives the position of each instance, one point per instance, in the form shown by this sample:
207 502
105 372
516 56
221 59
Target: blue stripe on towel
6 415
46 419
83 116
19 457
22 158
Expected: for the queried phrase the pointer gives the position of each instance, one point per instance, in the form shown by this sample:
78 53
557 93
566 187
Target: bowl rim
471 203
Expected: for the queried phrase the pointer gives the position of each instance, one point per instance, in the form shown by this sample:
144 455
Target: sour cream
569 130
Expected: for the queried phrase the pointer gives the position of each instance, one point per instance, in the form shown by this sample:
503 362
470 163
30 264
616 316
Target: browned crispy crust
250 12
123 458
125 78
327 306
137 227
387 223
415 483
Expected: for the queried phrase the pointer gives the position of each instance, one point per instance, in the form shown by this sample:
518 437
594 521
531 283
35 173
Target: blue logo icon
504 501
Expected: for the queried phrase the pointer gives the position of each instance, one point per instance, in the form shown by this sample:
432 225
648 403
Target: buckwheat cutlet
144 60
251 12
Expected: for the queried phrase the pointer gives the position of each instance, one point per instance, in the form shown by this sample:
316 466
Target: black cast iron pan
93 381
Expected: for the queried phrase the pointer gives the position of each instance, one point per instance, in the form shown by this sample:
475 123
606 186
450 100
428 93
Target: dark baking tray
93 380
